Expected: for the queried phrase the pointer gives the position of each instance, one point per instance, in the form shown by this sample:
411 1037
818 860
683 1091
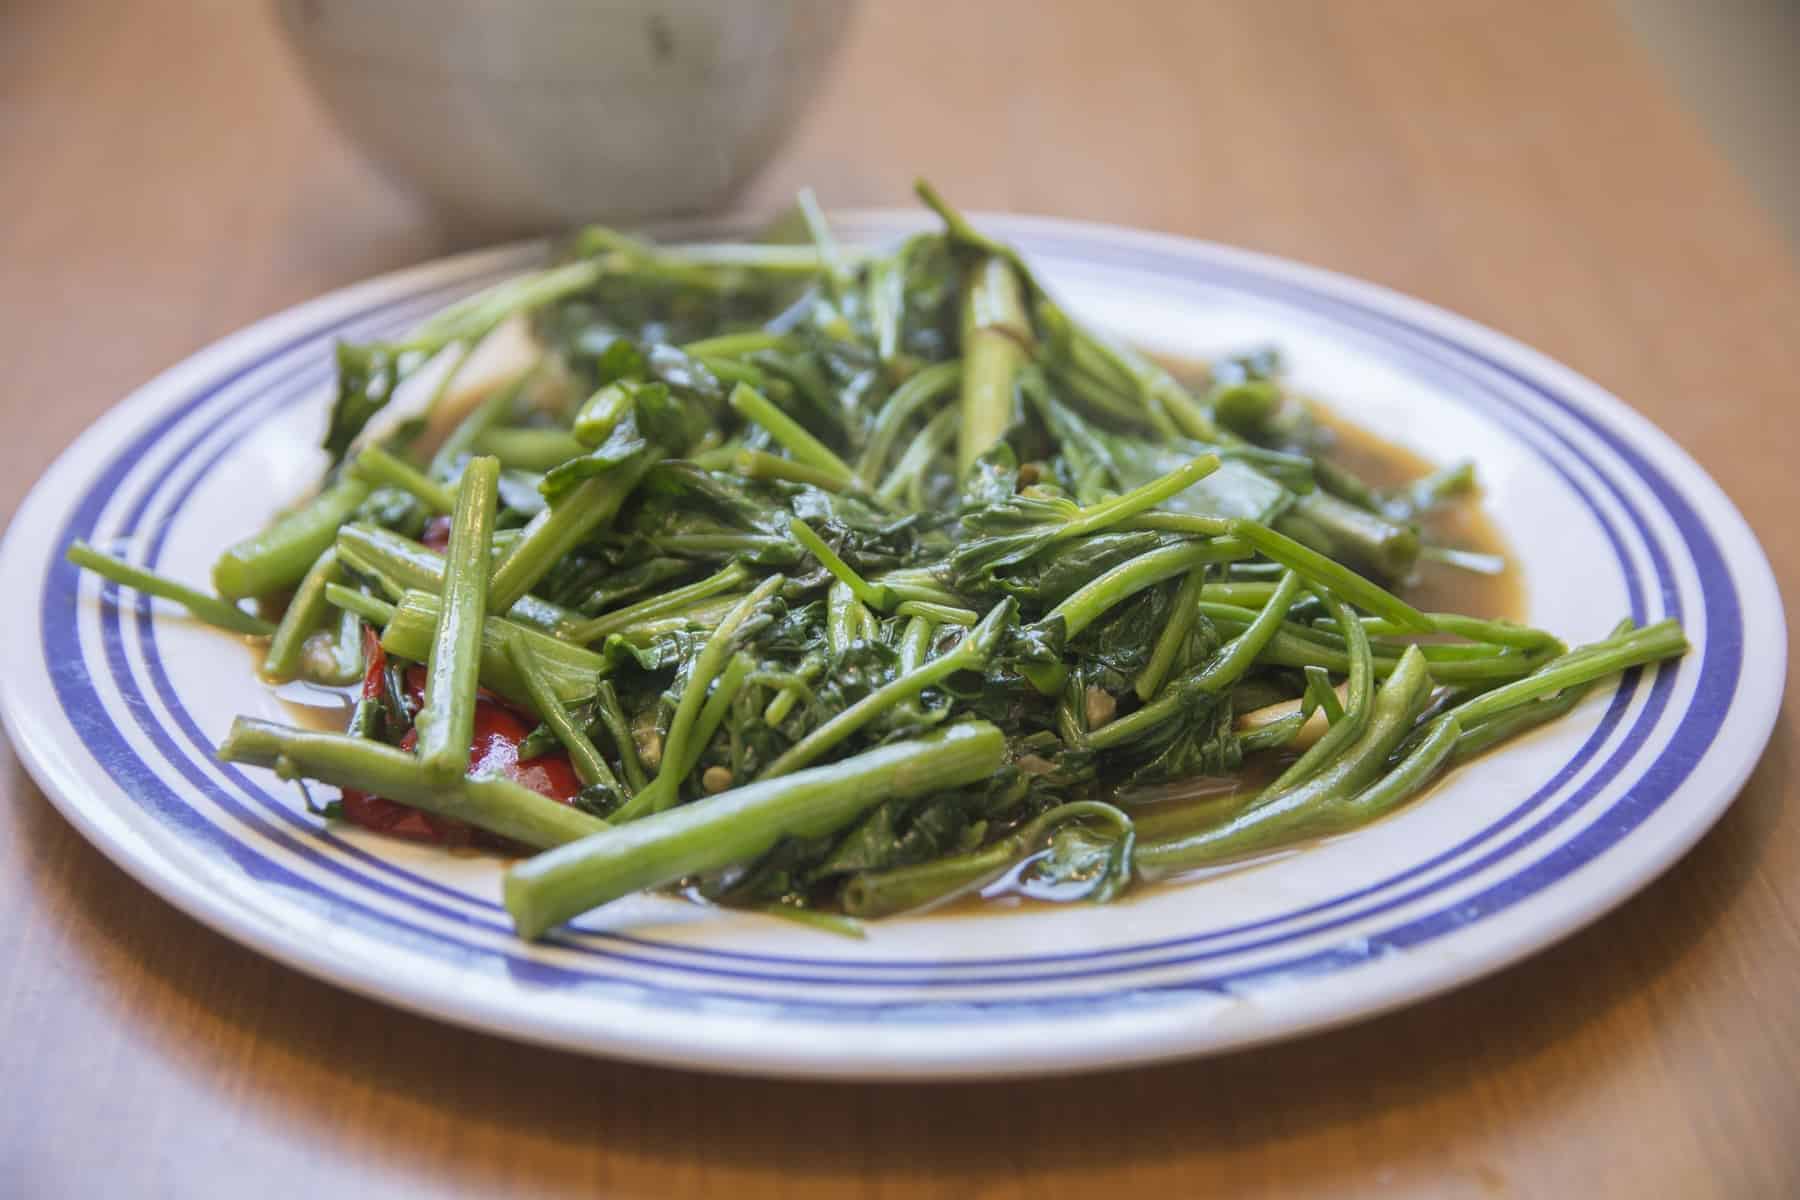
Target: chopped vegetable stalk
675 600
1212 677
996 340
493 802
306 612
453 669
872 595
575 672
378 468
560 528
1358 698
791 435
909 399
280 556
738 825
408 566
529 449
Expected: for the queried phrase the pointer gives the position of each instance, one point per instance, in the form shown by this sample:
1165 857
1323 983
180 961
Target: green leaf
622 447
366 378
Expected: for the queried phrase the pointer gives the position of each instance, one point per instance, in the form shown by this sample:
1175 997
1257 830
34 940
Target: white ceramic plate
115 705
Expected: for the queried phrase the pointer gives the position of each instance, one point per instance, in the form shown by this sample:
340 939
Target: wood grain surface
164 179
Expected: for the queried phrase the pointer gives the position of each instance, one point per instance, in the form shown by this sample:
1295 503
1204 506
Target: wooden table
165 180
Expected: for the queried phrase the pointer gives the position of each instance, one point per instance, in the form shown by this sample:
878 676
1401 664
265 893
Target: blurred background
1737 64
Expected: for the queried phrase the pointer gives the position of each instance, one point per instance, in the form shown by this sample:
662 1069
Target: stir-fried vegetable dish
837 584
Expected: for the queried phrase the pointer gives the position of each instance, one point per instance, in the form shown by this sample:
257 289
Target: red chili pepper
374 678
494 750
437 533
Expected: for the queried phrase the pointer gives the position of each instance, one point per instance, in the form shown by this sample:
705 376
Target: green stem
1513 722
592 630
1287 649
612 715
446 723
737 345
210 609
378 468
663 791
918 583
491 802
280 555
712 714
1284 809
1244 595
969 654
811 667
942 614
407 565
1346 532
551 535
589 765
739 825
1219 672
831 263
915 651
1172 522
1358 698
306 612
1315 568
1408 778
530 449
1319 694
1585 664
910 470
843 618
881 599
884 299
790 435
338 660
996 337
1093 599
1139 500
1173 638
576 671
760 464
601 413
364 606
908 399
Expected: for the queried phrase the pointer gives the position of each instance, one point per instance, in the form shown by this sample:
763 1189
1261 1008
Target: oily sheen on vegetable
834 585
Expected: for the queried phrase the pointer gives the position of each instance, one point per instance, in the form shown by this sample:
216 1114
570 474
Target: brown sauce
314 706
1461 524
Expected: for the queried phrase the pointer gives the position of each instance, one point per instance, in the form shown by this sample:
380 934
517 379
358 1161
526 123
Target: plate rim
110 832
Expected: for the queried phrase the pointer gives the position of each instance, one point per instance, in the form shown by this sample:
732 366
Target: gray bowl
525 115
